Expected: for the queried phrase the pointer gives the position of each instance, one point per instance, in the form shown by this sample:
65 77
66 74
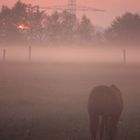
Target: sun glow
22 27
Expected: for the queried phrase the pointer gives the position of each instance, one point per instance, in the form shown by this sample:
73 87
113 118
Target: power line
72 7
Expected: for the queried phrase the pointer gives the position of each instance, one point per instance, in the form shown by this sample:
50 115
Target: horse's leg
94 121
113 127
102 127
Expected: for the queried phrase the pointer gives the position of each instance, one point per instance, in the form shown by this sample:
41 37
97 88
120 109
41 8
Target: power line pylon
72 6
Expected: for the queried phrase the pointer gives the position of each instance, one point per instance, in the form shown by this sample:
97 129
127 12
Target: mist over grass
44 89
72 54
49 100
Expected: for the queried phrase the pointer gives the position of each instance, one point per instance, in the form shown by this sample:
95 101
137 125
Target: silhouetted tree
61 26
8 30
69 25
35 19
9 20
124 29
21 14
53 27
25 22
86 30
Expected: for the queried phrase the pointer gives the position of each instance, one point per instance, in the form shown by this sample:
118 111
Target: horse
105 105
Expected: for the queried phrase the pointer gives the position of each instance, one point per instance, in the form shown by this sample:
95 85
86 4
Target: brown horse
104 107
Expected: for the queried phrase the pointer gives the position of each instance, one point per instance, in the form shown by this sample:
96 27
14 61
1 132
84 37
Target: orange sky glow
113 8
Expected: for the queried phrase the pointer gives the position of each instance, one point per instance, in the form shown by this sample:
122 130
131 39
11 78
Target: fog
47 98
99 54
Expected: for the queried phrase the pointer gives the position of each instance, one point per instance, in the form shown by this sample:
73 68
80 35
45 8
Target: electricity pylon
72 7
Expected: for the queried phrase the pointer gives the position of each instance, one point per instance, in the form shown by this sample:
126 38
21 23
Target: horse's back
104 100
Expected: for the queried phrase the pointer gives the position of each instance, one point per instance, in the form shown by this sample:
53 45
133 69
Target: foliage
61 26
86 29
20 14
25 22
124 29
7 27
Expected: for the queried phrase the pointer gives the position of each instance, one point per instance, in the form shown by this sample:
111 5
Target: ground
43 101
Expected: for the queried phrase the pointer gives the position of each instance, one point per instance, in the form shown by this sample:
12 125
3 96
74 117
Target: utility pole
72 7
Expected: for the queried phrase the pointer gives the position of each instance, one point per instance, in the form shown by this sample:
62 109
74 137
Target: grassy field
49 101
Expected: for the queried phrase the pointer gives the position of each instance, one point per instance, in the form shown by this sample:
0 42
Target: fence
4 54
34 54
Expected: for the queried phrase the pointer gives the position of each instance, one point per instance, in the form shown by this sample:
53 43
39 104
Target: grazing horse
105 105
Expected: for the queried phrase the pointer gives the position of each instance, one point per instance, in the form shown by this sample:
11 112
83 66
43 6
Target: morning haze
66 75
113 7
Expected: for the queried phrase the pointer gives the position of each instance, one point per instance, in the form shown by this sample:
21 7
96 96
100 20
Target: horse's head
115 89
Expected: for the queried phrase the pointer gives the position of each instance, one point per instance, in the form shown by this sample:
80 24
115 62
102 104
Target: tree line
26 23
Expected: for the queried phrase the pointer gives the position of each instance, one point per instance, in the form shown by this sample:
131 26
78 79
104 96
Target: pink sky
113 7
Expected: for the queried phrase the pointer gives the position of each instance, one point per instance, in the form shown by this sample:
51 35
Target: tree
124 29
69 25
86 30
19 12
61 27
21 22
7 27
25 22
35 20
53 27
9 20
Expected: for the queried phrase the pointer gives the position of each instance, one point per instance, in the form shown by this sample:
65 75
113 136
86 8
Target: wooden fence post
4 55
30 54
124 56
